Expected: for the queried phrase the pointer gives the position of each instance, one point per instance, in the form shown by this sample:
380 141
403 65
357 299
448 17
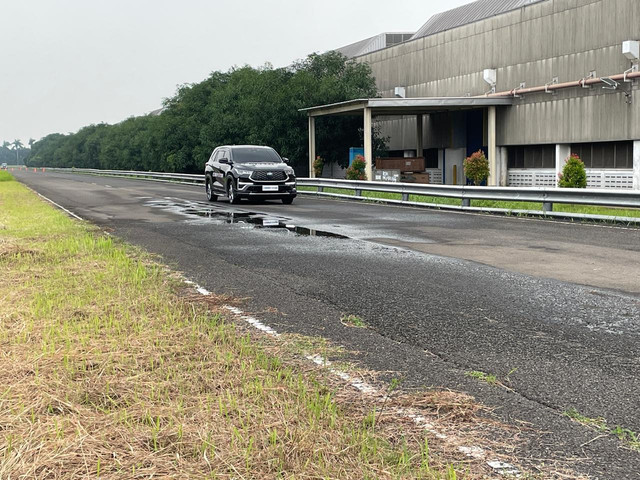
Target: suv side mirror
285 159
224 160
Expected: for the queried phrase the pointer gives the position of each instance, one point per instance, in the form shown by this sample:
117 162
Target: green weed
627 436
353 321
485 377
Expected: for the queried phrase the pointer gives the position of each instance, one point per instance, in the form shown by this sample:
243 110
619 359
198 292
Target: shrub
476 167
573 173
356 170
318 164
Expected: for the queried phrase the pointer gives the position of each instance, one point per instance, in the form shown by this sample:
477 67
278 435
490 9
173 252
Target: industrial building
527 81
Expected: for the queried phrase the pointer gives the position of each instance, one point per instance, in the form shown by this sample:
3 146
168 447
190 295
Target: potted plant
476 167
318 165
357 168
573 173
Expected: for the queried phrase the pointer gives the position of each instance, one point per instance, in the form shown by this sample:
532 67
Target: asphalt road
551 308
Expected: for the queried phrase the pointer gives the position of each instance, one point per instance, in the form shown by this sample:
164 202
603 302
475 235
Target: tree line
14 153
241 106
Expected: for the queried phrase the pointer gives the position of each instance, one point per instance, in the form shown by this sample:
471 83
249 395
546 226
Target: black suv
249 171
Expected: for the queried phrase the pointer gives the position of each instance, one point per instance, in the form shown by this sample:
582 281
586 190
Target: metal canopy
371 107
406 106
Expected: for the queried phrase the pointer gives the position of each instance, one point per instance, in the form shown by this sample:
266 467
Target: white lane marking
475 452
504 468
357 384
251 320
60 207
421 421
501 468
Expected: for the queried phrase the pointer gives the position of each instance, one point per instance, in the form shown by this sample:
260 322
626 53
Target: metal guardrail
546 196
161 176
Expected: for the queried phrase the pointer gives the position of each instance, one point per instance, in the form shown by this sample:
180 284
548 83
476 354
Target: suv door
219 170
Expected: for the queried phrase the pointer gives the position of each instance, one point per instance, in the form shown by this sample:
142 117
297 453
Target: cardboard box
409 164
421 177
410 177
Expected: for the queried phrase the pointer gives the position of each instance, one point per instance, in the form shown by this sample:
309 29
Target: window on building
532 156
594 155
431 158
624 155
605 154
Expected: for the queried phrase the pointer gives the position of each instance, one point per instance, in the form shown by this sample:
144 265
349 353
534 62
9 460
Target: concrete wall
556 38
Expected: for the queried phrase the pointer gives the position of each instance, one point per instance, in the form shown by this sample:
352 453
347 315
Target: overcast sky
70 63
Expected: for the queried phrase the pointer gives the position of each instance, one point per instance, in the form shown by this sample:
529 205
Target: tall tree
17 145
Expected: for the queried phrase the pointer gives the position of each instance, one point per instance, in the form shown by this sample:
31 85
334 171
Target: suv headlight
290 172
243 173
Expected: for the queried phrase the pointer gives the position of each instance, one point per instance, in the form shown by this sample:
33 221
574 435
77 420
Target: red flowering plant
476 167
318 164
573 173
357 169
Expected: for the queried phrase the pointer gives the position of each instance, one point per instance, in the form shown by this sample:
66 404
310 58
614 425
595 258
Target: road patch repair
109 368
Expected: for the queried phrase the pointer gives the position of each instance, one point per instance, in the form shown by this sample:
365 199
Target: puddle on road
255 220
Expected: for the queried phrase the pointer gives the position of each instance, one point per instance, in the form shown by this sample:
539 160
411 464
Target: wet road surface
556 344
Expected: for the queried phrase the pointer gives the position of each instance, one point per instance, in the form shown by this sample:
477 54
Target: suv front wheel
231 191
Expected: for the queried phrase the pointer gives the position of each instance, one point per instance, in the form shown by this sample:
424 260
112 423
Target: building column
368 144
419 134
563 150
636 165
503 166
491 135
312 145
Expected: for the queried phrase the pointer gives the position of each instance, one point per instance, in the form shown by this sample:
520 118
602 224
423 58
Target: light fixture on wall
400 92
490 75
631 50
609 83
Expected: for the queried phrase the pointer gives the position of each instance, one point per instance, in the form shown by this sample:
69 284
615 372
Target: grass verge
569 208
107 370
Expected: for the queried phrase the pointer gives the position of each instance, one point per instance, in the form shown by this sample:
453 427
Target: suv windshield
255 155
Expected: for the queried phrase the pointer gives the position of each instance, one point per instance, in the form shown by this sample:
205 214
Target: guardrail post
547 207
405 197
358 192
466 202
320 189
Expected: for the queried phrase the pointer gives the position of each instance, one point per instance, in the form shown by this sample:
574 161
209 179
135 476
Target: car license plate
269 188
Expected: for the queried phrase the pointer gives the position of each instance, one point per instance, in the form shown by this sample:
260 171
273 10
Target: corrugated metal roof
374 43
469 13
355 49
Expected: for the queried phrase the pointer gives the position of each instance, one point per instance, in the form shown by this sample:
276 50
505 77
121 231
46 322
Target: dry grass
107 370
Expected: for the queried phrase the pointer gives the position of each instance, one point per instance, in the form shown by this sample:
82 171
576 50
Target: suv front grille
268 176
